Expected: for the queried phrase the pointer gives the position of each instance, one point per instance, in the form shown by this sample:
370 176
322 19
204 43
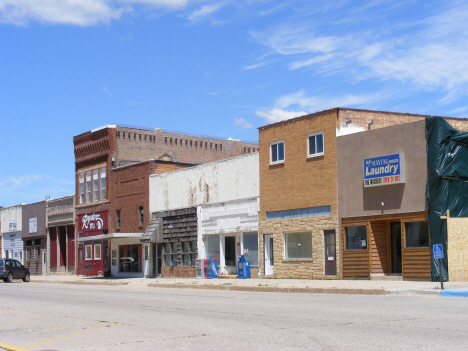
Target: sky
209 67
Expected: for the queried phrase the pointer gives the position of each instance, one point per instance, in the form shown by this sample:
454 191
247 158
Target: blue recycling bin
243 268
212 269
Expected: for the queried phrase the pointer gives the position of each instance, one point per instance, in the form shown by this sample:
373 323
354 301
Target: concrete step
387 276
228 276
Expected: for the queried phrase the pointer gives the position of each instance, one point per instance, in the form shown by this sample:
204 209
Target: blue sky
219 68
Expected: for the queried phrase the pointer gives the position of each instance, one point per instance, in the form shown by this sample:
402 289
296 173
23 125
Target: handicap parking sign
438 251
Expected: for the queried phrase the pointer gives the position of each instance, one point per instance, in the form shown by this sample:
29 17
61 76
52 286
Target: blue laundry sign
438 251
384 170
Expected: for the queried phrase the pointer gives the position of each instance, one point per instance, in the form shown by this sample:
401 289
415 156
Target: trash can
211 269
243 268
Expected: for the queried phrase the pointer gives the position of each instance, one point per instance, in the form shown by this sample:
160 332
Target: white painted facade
12 242
221 181
226 194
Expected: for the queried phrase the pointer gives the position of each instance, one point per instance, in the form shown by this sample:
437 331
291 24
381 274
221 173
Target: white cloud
298 104
75 12
206 12
242 123
254 66
430 53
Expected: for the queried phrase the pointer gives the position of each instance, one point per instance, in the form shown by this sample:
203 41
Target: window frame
286 255
95 181
100 252
275 143
102 183
81 181
317 154
90 258
428 235
88 175
346 238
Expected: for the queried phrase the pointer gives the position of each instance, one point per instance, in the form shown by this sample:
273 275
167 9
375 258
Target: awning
153 233
110 236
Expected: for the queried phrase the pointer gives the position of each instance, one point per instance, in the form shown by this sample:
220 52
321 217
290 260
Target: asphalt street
83 317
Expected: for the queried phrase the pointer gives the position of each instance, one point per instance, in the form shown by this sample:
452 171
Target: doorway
269 262
395 246
230 250
330 252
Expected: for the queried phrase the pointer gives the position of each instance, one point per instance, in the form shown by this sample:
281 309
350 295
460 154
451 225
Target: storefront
126 254
12 232
34 235
93 246
382 178
227 231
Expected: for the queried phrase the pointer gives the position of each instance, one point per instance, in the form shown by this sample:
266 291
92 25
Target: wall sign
32 225
12 225
384 170
93 223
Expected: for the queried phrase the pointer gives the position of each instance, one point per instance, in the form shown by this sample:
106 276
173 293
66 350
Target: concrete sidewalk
361 287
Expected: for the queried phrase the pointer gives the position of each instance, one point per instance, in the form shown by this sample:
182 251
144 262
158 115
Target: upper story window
103 183
140 215
277 152
96 185
315 144
81 178
117 218
88 186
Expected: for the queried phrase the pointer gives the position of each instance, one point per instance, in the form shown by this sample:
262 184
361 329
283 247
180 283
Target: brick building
98 150
129 206
299 223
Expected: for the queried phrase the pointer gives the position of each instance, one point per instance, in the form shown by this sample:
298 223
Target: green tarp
447 184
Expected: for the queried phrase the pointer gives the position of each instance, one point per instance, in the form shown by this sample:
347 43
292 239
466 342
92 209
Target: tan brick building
299 223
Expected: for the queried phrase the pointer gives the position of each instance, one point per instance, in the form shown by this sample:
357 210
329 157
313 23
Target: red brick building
129 209
100 149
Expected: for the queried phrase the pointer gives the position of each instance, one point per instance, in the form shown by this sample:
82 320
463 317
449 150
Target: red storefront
93 249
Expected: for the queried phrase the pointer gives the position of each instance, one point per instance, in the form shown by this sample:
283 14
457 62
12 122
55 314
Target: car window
2 263
16 264
8 263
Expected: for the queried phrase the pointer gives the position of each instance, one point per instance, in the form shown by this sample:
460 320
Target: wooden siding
379 260
416 261
355 262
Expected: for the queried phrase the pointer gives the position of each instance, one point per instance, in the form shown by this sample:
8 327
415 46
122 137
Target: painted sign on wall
33 225
92 223
12 225
384 170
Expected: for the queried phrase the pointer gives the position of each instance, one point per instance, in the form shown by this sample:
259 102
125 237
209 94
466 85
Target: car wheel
10 277
26 278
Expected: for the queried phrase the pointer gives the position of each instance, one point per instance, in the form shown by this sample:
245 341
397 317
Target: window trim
86 252
317 154
286 256
284 152
94 252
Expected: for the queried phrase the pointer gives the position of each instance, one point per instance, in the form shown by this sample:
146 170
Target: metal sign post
439 254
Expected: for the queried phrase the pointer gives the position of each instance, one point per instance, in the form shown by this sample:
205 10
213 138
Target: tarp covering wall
447 185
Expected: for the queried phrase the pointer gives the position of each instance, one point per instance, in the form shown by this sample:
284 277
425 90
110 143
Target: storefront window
174 254
88 252
356 237
167 254
298 245
417 234
212 247
130 258
251 248
97 251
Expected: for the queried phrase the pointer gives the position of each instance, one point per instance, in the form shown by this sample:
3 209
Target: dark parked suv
13 269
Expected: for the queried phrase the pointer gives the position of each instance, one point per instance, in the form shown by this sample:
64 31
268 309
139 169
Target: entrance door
230 250
106 265
330 252
44 262
160 247
268 245
395 242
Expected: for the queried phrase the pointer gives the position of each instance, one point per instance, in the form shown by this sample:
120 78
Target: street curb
78 282
272 289
454 293
412 292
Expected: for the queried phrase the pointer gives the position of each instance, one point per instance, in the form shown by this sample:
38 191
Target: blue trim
454 293
299 213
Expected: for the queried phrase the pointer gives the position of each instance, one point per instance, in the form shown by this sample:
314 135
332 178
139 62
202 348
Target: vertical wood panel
379 247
